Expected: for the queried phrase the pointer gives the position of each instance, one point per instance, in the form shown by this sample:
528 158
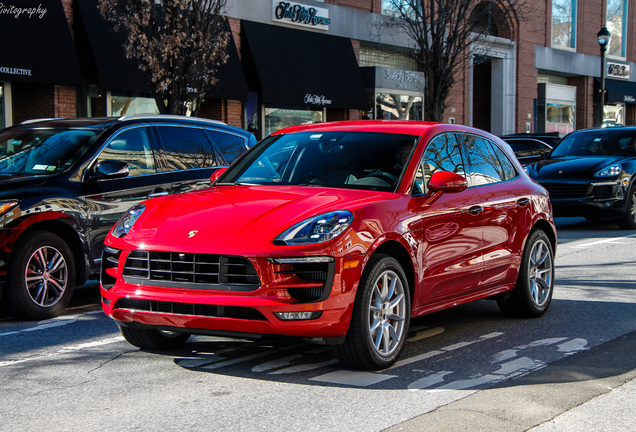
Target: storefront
394 94
114 85
37 54
298 77
620 96
556 108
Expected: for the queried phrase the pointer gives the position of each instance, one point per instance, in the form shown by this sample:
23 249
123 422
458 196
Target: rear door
492 176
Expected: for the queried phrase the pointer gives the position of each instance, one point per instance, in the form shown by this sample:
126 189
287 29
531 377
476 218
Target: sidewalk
593 390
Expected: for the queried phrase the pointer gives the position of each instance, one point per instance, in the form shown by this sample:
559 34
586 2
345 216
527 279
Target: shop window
564 23
124 105
613 115
374 56
398 107
279 118
617 26
559 118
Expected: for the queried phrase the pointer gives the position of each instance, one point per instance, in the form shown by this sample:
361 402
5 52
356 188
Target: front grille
188 270
567 190
235 312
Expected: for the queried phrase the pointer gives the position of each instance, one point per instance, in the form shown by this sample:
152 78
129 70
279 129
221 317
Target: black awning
113 71
305 68
37 45
619 91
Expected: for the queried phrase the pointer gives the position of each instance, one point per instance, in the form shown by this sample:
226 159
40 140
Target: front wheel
153 339
533 291
628 220
41 276
380 318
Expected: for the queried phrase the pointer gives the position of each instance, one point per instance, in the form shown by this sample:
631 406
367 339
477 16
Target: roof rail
38 120
168 116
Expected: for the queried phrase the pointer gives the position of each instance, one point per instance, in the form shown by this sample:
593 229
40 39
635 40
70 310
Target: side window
133 147
488 163
230 146
442 154
185 148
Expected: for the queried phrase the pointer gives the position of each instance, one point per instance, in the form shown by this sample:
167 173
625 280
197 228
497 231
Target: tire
153 339
380 318
628 221
532 294
41 276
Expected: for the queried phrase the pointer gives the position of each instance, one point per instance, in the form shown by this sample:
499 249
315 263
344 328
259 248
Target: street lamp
603 37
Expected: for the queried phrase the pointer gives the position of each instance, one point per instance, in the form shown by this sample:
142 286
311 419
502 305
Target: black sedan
591 173
64 183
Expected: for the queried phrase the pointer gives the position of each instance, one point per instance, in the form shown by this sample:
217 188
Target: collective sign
302 15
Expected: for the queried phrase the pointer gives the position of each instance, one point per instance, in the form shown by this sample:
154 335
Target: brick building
539 73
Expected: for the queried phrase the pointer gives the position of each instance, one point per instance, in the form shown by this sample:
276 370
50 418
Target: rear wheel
41 276
628 221
533 291
153 339
380 319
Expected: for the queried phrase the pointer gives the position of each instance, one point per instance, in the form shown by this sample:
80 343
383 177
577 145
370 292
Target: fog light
295 316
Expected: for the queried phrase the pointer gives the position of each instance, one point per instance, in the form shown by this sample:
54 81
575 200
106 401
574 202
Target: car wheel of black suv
628 221
41 276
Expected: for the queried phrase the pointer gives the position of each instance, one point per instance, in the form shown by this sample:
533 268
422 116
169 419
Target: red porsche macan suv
338 233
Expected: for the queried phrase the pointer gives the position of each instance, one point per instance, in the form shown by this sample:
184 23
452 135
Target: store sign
402 78
399 79
320 100
15 71
299 14
618 70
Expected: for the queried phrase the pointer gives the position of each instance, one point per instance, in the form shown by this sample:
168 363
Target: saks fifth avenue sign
299 14
312 99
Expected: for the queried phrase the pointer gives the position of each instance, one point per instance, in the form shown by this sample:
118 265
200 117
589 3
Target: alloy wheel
540 273
46 276
387 312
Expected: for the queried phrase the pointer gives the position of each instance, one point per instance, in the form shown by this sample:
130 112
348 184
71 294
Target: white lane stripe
54 322
65 350
609 240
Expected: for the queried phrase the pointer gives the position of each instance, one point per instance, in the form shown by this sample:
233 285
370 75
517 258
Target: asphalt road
468 368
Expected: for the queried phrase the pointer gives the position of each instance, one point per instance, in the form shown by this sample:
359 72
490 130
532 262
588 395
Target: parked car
338 233
530 148
65 183
591 174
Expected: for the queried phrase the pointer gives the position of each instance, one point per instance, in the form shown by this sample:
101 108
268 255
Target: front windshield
41 151
597 143
361 160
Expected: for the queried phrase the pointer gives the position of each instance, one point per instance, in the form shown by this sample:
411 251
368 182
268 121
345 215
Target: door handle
475 210
523 201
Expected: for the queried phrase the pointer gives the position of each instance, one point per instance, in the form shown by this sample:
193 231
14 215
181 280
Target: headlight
318 229
126 222
610 171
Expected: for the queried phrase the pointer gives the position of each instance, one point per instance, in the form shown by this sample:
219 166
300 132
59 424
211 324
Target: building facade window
564 23
617 25
373 56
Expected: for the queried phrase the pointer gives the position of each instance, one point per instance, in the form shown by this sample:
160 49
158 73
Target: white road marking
598 242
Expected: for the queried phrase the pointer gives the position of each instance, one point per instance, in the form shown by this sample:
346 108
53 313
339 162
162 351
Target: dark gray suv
65 182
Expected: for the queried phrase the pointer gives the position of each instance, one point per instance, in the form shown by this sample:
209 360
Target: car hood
567 168
236 219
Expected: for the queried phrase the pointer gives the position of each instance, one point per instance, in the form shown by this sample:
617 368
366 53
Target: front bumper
325 293
601 200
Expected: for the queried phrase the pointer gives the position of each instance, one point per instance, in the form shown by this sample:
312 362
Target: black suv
65 182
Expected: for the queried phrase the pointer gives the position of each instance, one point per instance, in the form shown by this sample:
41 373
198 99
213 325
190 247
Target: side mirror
448 182
216 174
111 169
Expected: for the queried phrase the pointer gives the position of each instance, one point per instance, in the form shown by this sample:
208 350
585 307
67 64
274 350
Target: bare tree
180 44
442 32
